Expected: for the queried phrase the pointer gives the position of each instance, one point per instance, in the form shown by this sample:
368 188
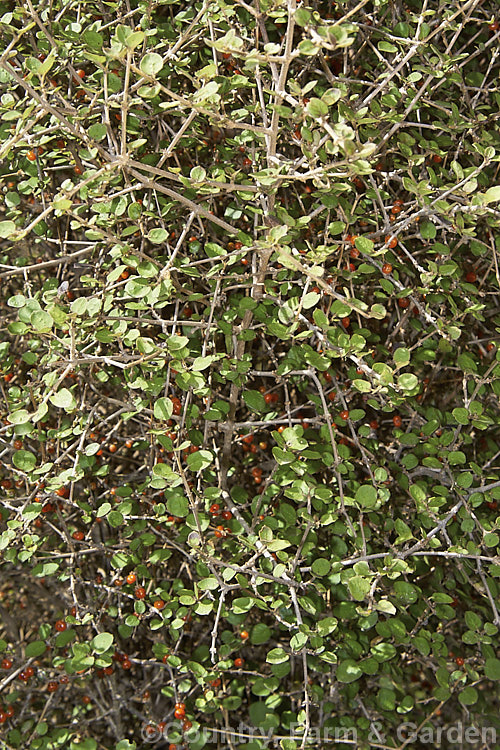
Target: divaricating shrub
249 256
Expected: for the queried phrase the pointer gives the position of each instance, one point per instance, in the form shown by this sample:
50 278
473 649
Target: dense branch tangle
249 266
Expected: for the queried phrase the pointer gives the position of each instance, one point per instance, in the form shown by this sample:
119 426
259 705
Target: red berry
391 241
354 252
459 661
186 725
238 663
131 578
374 424
113 448
214 509
52 687
179 713
6 663
226 515
126 664
346 322
344 414
386 268
470 277
80 73
403 303
140 592
244 635
247 162
78 535
397 421
60 626
64 679
31 155
158 604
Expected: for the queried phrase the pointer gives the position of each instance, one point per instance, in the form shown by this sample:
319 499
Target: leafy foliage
249 257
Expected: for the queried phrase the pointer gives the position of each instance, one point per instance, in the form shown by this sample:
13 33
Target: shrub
249 256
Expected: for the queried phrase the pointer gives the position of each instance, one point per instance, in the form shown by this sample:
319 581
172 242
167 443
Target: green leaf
364 245
102 642
492 669
115 519
428 230
35 648
298 641
178 506
386 699
405 592
492 195
348 671
254 400
317 109
468 696
401 356
41 321
403 530
359 587
63 399
321 566
24 460
157 236
199 460
151 64
201 363
387 47
277 656
491 539
407 381
21 416
461 415
260 634
7 229
97 131
163 409
310 299
366 496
